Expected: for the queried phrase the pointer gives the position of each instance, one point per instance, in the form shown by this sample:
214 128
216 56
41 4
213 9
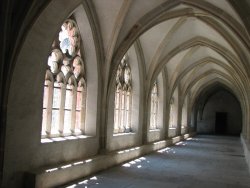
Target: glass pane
79 100
151 107
116 119
127 119
78 120
56 97
67 121
154 121
80 103
68 99
55 121
121 125
117 99
128 102
67 37
171 116
123 100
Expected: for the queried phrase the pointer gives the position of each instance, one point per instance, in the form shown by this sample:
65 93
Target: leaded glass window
122 109
65 85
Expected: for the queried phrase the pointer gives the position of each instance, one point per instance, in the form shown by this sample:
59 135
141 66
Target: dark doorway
221 123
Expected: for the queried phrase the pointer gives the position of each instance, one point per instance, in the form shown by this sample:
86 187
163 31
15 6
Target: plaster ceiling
194 41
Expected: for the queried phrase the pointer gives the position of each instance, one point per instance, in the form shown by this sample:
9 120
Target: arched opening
218 111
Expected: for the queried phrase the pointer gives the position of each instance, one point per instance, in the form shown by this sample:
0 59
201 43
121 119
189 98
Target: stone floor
200 162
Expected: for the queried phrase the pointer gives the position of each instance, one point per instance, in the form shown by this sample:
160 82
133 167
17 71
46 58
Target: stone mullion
49 107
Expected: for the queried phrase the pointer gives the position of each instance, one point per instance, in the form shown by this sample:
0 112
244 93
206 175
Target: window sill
172 128
63 138
124 134
154 130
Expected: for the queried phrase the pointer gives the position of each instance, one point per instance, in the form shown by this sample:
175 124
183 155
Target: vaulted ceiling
195 42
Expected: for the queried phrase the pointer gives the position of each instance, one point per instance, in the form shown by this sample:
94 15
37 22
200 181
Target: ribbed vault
194 43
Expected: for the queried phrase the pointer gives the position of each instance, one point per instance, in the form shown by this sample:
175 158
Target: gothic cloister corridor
202 161
124 93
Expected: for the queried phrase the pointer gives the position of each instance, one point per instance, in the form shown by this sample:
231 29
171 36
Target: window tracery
65 85
122 114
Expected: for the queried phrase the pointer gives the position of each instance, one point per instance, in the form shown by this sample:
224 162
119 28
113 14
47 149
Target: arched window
171 114
122 110
65 85
154 107
184 114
